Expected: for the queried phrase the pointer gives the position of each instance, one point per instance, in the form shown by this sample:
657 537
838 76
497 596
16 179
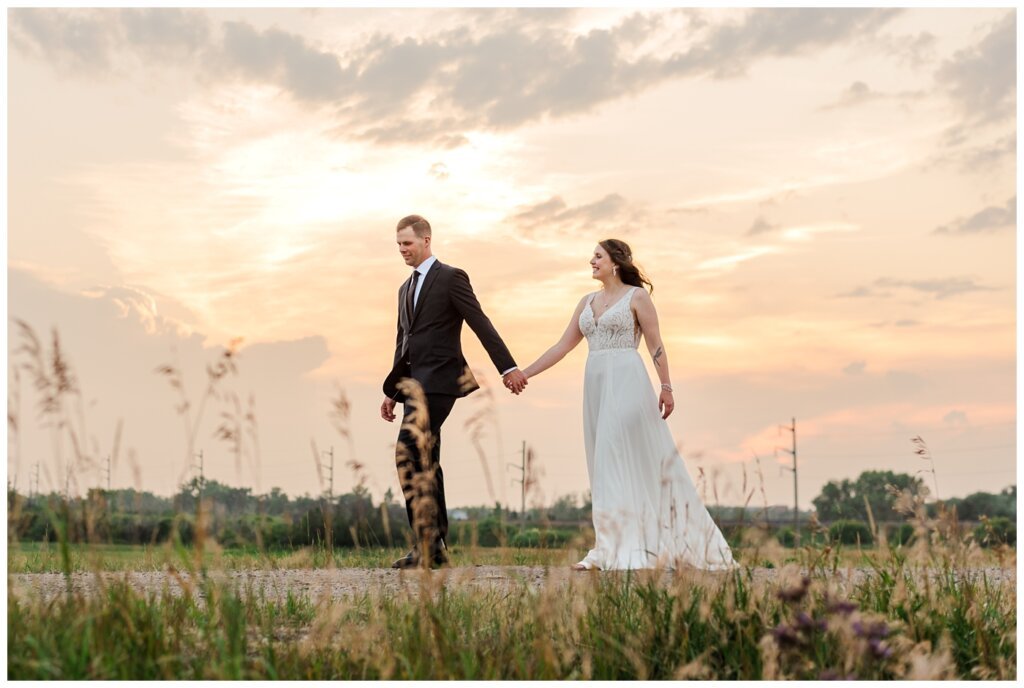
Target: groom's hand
515 380
387 409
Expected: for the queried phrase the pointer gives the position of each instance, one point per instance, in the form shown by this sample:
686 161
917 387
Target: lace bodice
615 329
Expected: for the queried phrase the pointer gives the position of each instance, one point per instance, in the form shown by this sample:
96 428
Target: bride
646 510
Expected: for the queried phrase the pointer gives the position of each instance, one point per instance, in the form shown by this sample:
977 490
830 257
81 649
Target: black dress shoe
438 555
409 561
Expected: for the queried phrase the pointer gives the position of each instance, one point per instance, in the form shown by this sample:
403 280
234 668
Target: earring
615 270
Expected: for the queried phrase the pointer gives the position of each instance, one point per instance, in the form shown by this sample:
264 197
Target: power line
955 450
1000 470
858 433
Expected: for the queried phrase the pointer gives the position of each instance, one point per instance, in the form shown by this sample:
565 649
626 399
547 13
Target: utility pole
330 477
796 502
32 493
202 478
522 488
108 472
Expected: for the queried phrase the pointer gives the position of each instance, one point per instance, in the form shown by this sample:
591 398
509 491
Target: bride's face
601 265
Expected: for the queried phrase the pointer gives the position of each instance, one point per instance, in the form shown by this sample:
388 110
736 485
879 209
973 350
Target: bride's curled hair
629 272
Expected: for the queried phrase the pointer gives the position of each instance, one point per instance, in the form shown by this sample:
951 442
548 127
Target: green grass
38 557
608 626
914 614
42 557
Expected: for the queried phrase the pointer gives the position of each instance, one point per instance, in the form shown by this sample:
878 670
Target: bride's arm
647 316
570 338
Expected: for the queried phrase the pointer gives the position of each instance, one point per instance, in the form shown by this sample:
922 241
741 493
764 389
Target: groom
432 305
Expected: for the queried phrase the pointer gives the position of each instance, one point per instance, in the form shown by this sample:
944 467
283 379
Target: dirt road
353 582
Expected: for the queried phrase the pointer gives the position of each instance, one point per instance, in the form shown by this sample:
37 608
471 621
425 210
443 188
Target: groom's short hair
419 225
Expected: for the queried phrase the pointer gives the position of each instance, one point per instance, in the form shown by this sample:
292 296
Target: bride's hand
666 403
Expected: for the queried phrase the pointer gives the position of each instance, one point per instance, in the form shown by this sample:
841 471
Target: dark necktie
410 294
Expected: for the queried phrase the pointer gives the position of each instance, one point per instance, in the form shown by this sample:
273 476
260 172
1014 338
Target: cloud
167 34
510 69
955 418
862 293
913 50
982 80
553 216
143 305
905 322
283 59
730 49
730 261
975 158
857 93
855 368
987 220
940 288
78 41
115 338
435 131
904 381
91 41
805 232
684 210
798 232
761 226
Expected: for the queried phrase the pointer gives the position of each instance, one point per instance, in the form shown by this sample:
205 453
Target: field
940 610
941 606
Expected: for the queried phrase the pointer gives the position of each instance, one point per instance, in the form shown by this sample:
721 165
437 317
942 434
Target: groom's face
414 249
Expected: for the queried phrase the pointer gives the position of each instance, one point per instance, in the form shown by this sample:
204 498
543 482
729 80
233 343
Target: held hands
515 380
666 403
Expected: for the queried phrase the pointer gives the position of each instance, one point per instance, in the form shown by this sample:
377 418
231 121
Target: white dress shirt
423 268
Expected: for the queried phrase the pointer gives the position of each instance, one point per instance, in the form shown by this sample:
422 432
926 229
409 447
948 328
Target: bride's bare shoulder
586 297
640 295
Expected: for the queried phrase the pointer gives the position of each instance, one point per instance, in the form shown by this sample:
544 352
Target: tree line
235 517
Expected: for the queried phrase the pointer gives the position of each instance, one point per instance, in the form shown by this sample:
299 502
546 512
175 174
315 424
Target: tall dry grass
935 609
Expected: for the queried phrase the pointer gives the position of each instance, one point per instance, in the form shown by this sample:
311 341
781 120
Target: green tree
999 505
846 500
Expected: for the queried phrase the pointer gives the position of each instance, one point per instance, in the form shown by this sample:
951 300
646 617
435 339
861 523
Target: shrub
785 536
534 537
807 537
488 532
850 533
902 534
996 531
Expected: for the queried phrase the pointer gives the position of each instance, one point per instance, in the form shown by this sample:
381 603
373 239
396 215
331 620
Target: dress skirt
647 513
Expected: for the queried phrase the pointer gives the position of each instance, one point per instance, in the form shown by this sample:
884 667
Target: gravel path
346 583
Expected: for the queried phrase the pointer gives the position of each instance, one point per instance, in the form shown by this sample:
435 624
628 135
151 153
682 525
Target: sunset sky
825 201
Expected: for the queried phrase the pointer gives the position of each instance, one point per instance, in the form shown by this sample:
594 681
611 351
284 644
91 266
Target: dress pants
415 477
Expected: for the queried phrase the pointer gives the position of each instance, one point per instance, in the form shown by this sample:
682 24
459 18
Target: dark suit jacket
429 349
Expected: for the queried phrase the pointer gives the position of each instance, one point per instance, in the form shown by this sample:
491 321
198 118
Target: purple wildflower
879 649
844 607
876 629
785 636
795 594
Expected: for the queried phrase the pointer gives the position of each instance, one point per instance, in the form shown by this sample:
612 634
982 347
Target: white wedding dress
647 513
